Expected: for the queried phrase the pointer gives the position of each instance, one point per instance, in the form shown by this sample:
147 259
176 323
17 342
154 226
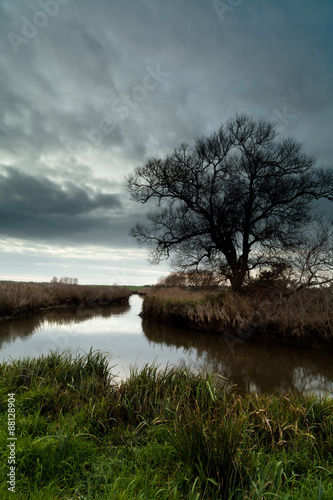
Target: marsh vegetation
304 317
20 298
159 434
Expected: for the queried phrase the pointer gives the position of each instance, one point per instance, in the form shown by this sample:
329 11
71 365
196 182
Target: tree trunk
237 280
238 271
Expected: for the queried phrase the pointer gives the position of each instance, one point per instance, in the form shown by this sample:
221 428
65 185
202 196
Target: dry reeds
216 311
305 316
19 298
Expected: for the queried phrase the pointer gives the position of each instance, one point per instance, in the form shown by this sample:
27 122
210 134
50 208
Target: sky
92 89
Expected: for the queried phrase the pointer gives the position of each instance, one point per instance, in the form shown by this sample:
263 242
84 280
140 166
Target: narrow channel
130 341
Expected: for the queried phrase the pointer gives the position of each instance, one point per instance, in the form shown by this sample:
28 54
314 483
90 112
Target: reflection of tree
25 327
251 365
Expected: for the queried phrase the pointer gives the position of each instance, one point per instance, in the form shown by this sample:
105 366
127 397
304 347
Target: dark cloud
92 65
40 208
262 58
27 193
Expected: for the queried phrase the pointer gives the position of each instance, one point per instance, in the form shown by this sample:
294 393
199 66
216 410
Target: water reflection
27 326
253 366
118 330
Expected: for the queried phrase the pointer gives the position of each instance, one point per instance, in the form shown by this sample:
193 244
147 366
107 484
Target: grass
305 317
20 298
166 434
136 288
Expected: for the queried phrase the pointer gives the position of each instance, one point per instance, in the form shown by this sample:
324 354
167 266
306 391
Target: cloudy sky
91 89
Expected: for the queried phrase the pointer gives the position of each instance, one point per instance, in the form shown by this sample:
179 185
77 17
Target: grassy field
136 288
19 298
305 317
158 435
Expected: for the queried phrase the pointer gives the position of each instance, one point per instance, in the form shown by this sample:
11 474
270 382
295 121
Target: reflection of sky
312 384
252 367
121 336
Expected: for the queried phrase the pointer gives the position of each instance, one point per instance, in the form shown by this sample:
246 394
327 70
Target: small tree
234 202
312 262
196 279
68 281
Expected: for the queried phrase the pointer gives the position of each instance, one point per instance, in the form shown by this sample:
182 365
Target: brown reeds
207 311
304 317
20 298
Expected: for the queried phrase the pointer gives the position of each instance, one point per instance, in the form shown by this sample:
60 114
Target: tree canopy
235 201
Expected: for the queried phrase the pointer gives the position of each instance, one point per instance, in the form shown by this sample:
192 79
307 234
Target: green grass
166 434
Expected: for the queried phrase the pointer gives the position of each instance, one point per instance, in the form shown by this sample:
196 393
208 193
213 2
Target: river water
120 332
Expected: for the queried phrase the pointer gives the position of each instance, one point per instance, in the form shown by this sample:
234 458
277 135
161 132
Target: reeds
305 317
21 298
207 311
160 434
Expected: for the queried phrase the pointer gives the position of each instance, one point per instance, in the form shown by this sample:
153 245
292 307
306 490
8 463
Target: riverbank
20 298
303 318
161 435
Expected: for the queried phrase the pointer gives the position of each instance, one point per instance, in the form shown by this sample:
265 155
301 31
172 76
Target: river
120 332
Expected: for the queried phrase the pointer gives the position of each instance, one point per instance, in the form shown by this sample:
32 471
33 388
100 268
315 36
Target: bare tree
312 262
232 201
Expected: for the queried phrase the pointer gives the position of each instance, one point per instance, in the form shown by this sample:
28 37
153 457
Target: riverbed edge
22 299
282 320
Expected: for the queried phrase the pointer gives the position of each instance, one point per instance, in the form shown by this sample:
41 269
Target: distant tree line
65 280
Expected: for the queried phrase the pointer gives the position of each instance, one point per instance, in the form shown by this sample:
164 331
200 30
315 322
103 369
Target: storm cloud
90 90
40 208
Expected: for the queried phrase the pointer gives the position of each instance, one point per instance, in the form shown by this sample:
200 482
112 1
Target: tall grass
160 434
303 317
22 298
